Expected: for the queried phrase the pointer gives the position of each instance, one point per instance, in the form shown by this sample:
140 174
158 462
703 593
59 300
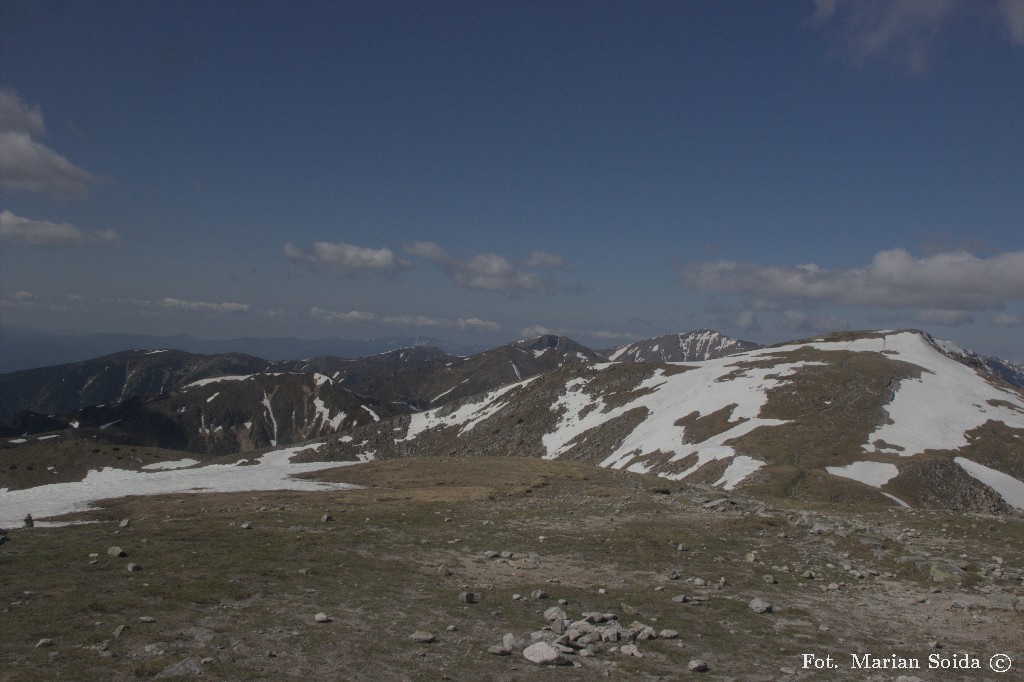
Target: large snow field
273 471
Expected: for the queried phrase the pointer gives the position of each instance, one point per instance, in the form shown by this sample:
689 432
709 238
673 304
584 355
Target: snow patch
274 471
874 474
1008 487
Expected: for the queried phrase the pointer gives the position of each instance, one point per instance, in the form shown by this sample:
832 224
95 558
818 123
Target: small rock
630 650
44 642
668 634
491 554
498 650
508 642
322 618
452 628
467 597
538 594
543 653
555 613
116 551
421 637
124 523
325 518
770 579
758 605
145 619
245 525
119 631
133 567
698 665
444 571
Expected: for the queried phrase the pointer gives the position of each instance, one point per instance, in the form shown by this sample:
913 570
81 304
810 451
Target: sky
479 172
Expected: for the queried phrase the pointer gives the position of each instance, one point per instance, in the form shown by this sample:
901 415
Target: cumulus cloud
894 279
204 307
345 260
18 230
478 325
26 164
488 271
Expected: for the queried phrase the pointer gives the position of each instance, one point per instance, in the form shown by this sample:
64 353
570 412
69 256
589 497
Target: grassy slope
238 598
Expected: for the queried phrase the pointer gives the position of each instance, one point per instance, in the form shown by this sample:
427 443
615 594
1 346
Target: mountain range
892 417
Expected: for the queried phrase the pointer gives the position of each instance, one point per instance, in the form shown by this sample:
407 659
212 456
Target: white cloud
545 259
29 165
893 279
907 30
610 336
410 321
363 316
19 230
536 330
1008 320
1012 12
18 116
476 324
746 321
946 318
334 316
486 271
204 307
345 259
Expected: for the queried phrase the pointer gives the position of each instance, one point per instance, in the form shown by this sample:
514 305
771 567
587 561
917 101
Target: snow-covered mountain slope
856 416
703 344
215 416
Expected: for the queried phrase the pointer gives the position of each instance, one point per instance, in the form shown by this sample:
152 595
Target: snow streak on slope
275 471
1008 487
937 410
698 390
875 474
467 416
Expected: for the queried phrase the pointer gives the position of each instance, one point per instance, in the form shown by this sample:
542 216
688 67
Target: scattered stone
491 554
668 634
698 665
145 619
116 551
133 567
421 637
119 631
325 518
444 571
189 667
538 594
44 642
322 617
124 523
630 650
452 628
467 597
680 599
543 653
245 525
770 579
758 605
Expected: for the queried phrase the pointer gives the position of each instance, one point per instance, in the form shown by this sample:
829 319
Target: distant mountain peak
692 346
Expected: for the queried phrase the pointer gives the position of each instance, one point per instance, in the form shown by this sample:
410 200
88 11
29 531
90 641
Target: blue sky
482 171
